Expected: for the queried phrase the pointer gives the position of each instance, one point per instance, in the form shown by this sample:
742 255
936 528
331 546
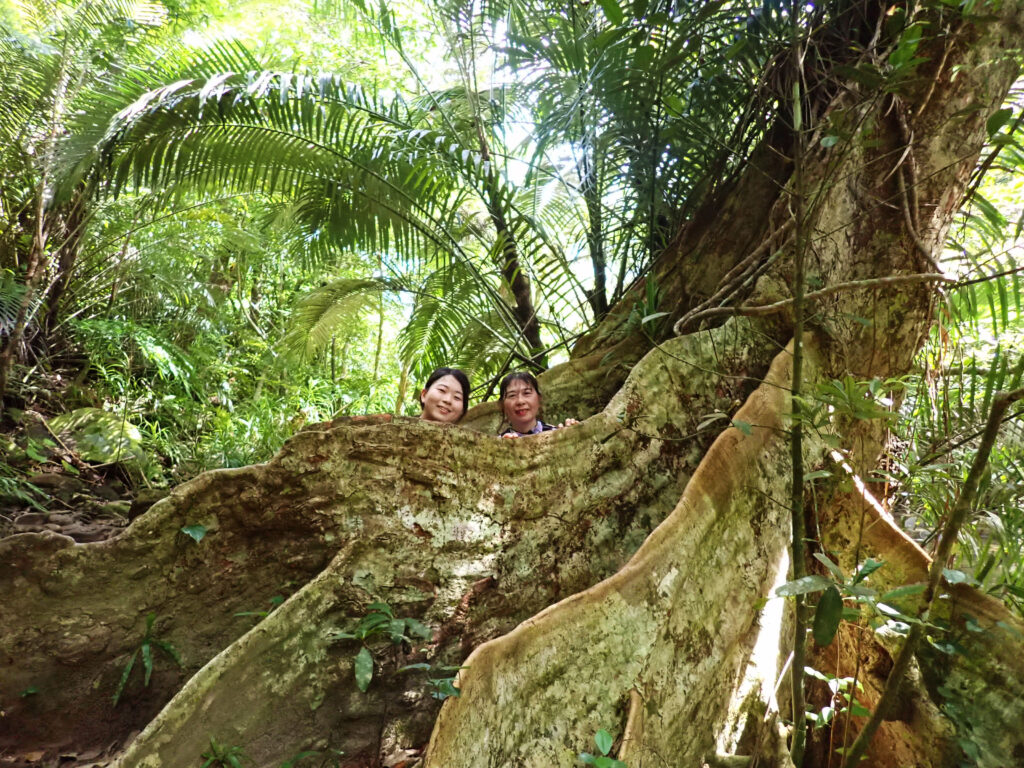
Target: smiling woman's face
442 400
521 405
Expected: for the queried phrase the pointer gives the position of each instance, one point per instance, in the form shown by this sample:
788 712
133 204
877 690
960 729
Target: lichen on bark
544 545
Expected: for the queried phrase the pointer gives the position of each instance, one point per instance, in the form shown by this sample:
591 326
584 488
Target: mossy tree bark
605 576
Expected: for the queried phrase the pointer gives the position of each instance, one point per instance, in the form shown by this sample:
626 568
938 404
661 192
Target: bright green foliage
187 331
447 187
974 352
383 209
99 436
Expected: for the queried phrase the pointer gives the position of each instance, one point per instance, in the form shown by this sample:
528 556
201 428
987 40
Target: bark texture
535 558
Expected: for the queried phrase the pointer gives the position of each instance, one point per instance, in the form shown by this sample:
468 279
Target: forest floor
55 490
47 486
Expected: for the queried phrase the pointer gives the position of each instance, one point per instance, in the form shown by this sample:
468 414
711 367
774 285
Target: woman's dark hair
460 376
523 376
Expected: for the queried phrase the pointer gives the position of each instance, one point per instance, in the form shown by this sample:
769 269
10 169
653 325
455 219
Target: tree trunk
608 576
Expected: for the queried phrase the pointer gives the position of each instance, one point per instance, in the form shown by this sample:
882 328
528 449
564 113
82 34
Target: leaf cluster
145 650
379 623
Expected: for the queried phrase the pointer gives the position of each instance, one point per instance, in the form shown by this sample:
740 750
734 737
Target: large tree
609 576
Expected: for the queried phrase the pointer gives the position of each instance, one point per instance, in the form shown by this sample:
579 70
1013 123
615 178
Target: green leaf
170 650
997 120
827 617
34 454
147 663
372 624
124 677
870 566
378 607
364 668
612 11
861 591
29 691
674 104
970 749
829 141
604 741
587 758
858 710
817 675
955 577
743 426
196 532
831 565
802 586
396 630
444 688
417 629
865 74
70 469
905 591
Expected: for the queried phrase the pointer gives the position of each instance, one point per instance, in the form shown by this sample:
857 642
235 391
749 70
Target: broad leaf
827 617
364 668
604 741
802 586
831 565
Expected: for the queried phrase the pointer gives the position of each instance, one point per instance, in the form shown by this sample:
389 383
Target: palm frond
323 313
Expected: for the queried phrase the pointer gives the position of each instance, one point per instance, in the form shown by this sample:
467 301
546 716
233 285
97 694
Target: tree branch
778 306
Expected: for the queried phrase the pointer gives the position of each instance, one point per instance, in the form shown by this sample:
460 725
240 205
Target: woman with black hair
445 396
521 404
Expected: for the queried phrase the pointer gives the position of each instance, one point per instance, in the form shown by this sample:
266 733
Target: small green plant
645 313
224 756
378 623
13 487
838 590
604 742
39 449
842 699
442 685
145 649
